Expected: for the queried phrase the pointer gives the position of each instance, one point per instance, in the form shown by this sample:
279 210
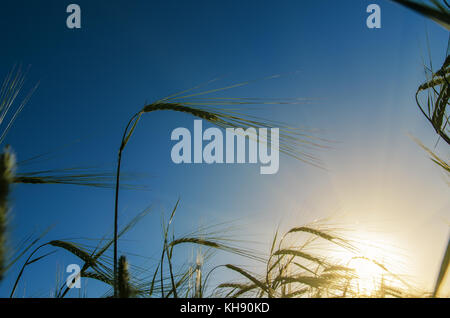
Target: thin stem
175 295
116 221
161 272
116 203
23 268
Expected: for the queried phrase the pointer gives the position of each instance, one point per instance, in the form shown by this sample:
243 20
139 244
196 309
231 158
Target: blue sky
128 53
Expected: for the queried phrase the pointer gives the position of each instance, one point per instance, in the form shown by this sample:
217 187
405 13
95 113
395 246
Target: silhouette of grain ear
198 276
123 278
75 250
181 108
7 165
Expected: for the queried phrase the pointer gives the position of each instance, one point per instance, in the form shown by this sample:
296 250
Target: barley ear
123 278
198 276
7 165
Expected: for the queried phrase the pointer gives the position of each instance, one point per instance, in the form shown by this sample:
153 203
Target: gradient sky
127 53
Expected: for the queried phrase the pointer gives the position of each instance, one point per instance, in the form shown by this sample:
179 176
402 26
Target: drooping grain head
181 108
7 167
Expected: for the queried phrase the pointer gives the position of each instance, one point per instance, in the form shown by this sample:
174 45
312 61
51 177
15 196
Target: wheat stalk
214 111
437 100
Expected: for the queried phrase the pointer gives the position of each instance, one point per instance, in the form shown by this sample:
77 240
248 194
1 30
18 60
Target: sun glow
368 276
376 266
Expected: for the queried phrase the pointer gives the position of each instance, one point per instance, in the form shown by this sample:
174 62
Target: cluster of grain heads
7 167
8 93
96 265
191 278
217 111
438 88
437 100
305 270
